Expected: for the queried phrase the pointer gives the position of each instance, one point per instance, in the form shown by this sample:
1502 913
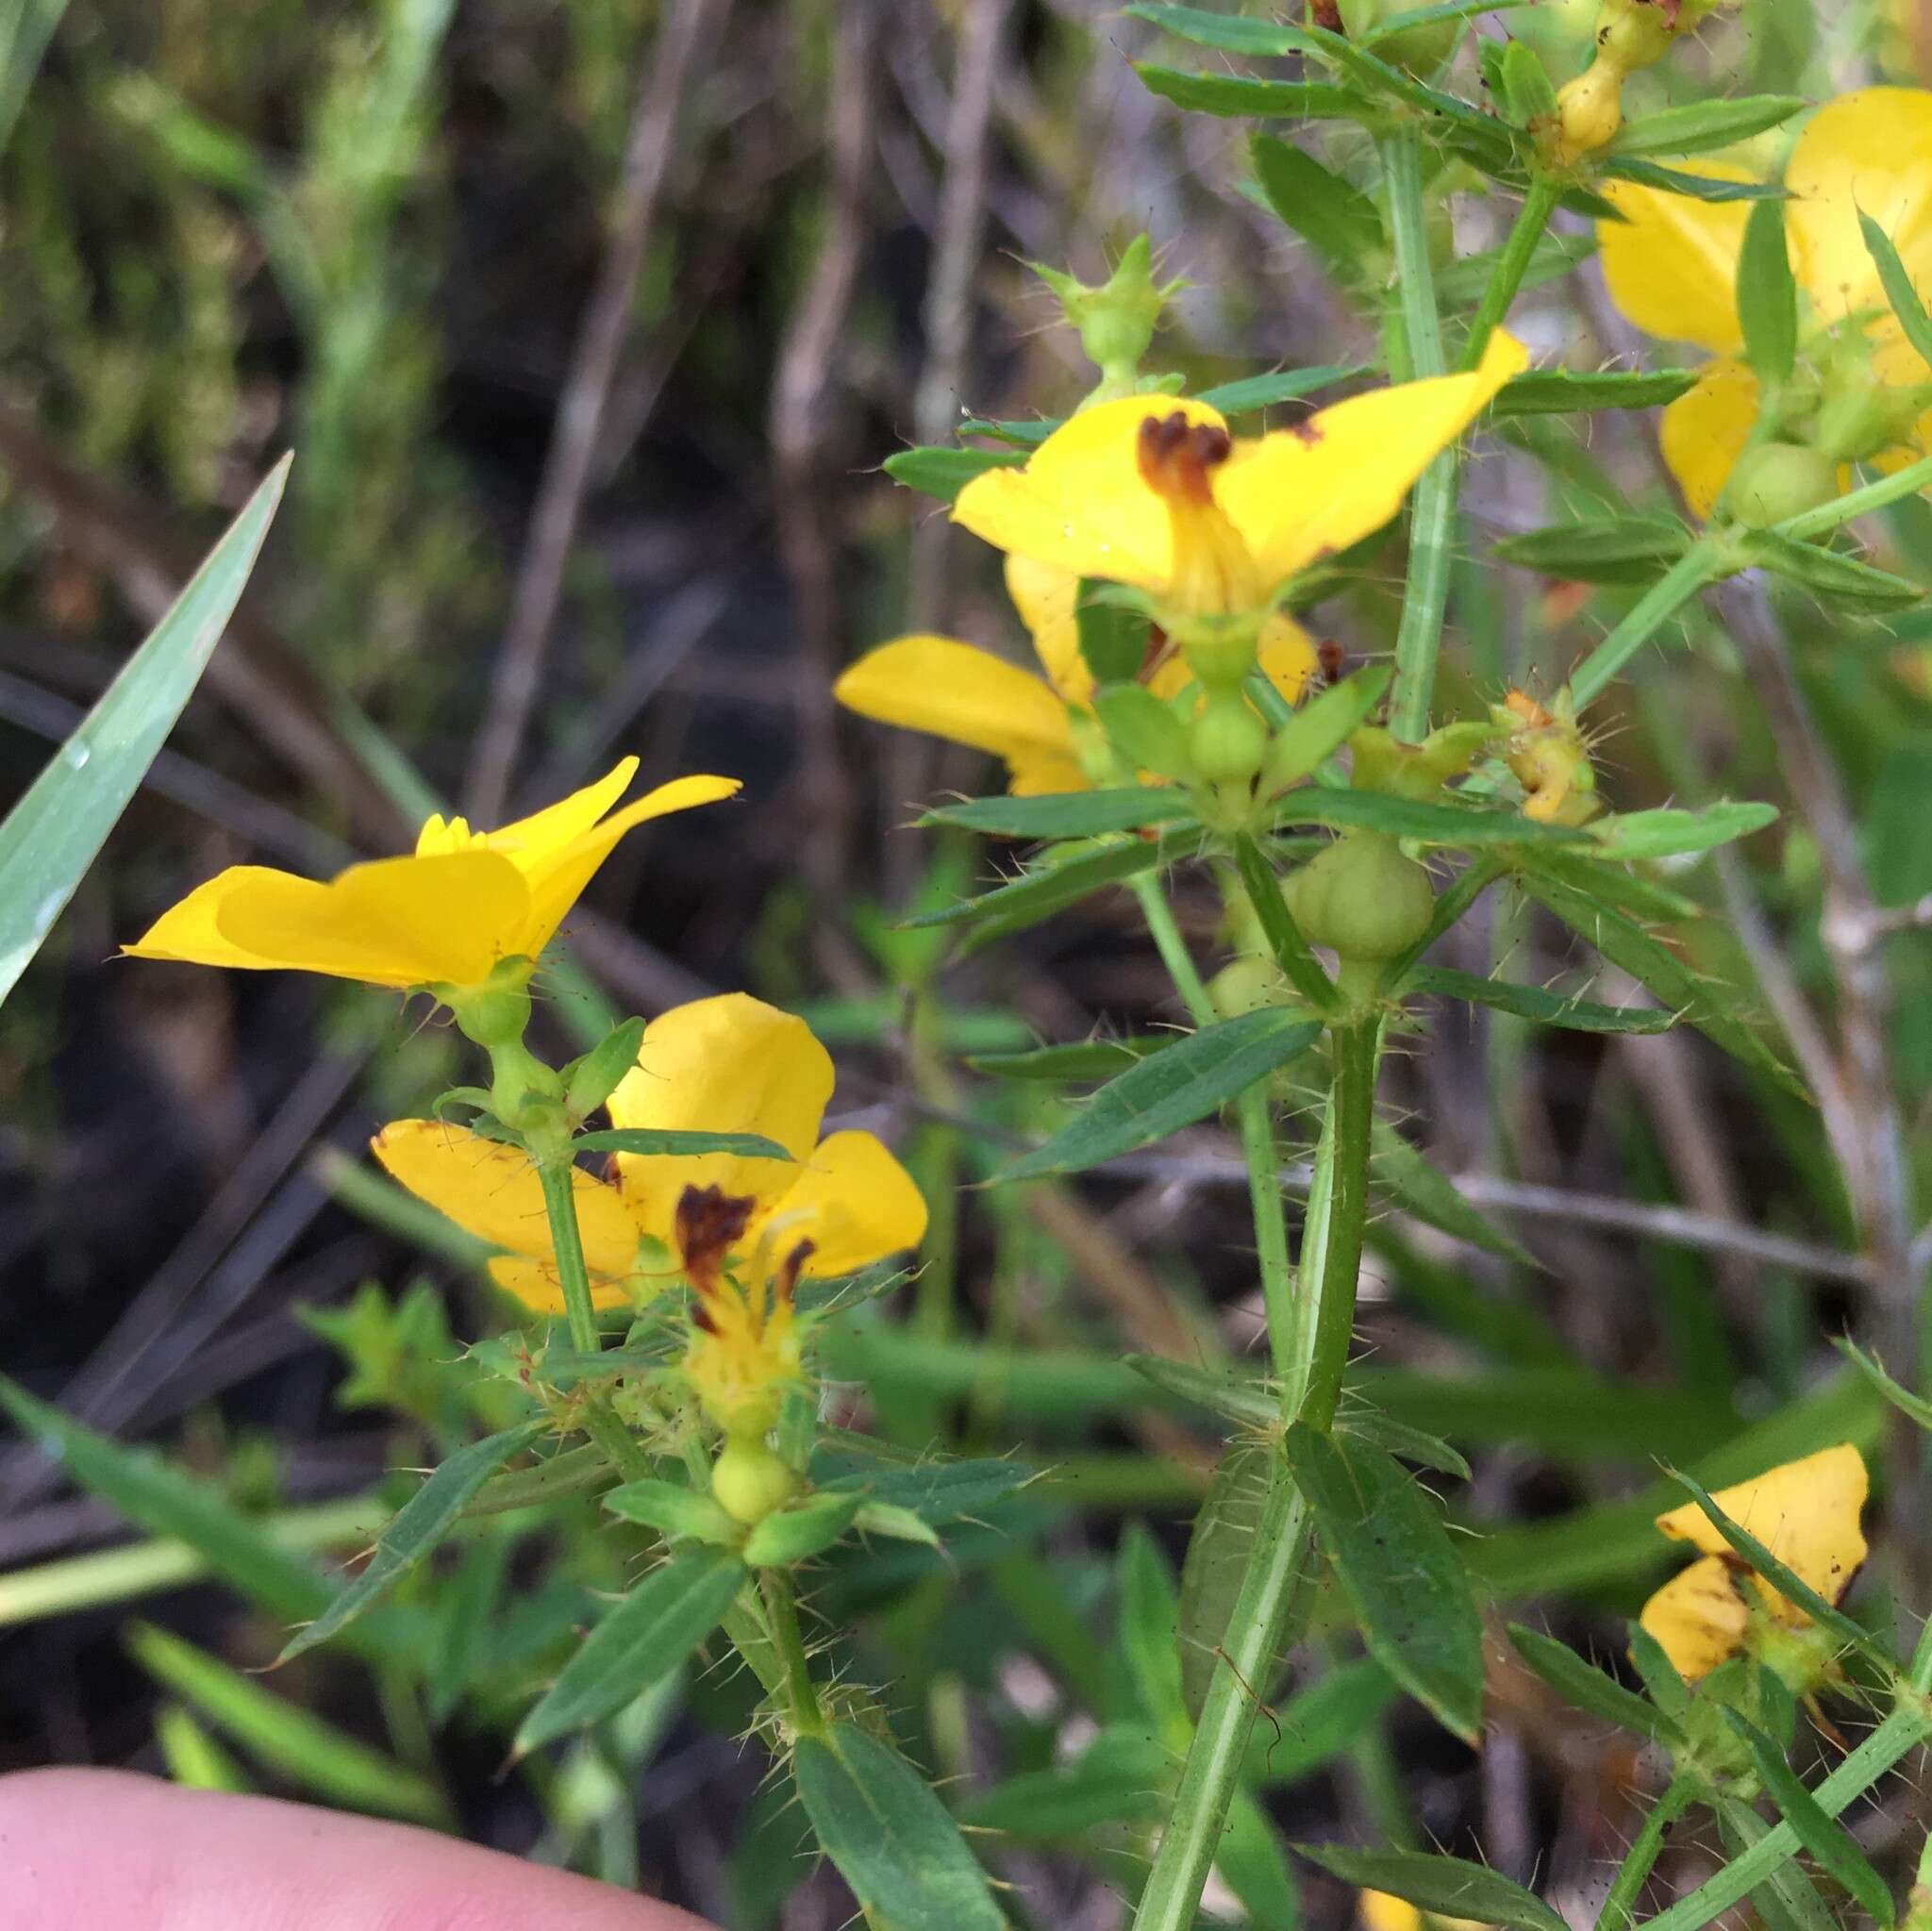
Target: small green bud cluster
1115 321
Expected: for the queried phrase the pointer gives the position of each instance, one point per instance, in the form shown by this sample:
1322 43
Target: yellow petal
530 840
1080 504
493 1191
1381 1912
397 921
1287 656
1047 600
852 1200
1671 264
558 875
1869 151
535 1285
1704 430
1806 1512
731 1064
957 692
190 931
1698 1618
1299 494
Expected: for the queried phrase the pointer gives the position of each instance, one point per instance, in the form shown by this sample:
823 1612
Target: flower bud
1362 897
1777 480
750 1481
1115 321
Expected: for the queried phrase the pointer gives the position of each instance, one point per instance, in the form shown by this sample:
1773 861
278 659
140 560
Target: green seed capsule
1362 897
750 1481
1777 480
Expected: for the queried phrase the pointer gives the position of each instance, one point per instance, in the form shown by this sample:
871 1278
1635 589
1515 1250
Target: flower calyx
1548 753
1116 320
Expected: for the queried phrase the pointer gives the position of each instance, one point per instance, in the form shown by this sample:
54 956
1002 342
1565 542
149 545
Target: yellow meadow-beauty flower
973 696
730 1064
1806 1512
1670 265
443 916
1157 492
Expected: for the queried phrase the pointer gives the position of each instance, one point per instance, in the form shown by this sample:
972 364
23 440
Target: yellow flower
445 915
1156 493
1381 1912
1806 1512
730 1064
1671 266
972 696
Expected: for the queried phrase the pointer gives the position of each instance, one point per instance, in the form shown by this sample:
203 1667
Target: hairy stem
1702 563
781 1611
1620 1903
1512 264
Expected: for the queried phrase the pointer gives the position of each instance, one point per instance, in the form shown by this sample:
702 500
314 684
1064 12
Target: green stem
1432 516
782 1612
1172 949
1701 564
1256 1628
1903 1731
1505 278
1620 1905
1829 516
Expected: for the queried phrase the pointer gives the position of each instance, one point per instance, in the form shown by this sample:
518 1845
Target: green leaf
683 1514
1229 33
1826 1838
1450 1886
53 834
799 1533
674 1143
1150 1624
1393 1557
1233 95
1068 814
639 1643
943 473
1700 125
1322 726
1217 1560
1698 187
1321 1722
1398 1439
1193 1077
1534 1003
1121 1777
1785 1899
25 27
300 1747
1113 640
900 1524
1461 825
1087 1059
1666 833
1396 24
1783 1579
1528 92
1252 1861
1462 283
1907 1403
1058 879
888 1836
1557 392
1587 1687
1333 216
1231 1394
1421 1190
1654 965
1284 937
422 1523
1653 1664
589 1081
936 1490
1605 549
1897 283
1829 573
1768 295
1252 392
1145 731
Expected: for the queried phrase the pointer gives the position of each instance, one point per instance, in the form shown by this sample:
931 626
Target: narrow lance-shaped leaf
643 1639
1158 1096
1451 1886
943 473
1464 825
1700 126
888 1836
1907 1403
1333 216
1053 882
1146 732
1559 392
1217 1560
1897 284
1587 1689
1534 1003
1830 573
678 1143
1322 725
424 1521
1068 814
51 837
1666 833
1084 1059
1396 1564
1284 937
1235 95
1419 1188
1603 549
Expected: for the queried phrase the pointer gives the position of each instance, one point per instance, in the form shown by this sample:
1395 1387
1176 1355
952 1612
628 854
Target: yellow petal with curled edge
958 691
1080 503
1870 152
395 922
852 1200
493 1189
1671 264
1698 1618
731 1064
1806 1512
1296 495
558 875
530 841
1704 430
1047 600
